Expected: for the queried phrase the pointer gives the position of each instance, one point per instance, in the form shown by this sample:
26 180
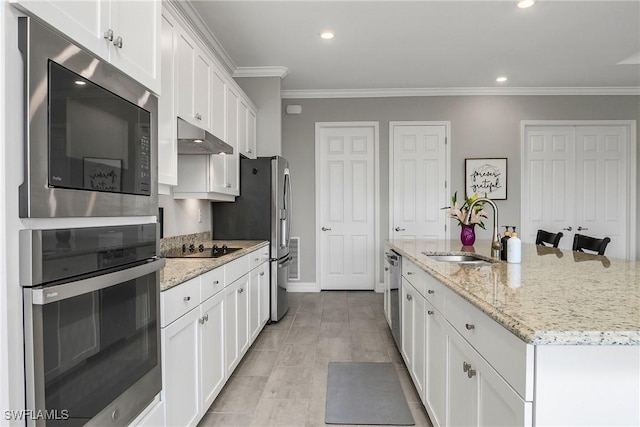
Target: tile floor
282 379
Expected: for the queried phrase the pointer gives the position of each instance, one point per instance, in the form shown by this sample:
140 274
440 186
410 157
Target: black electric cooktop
200 252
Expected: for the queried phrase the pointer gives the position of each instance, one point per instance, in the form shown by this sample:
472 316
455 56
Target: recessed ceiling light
80 83
501 79
326 35
523 4
198 141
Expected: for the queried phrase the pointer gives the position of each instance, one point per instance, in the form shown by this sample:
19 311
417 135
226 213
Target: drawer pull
431 291
215 282
206 317
386 269
430 312
187 299
262 273
466 366
469 326
409 273
471 373
241 290
257 259
201 320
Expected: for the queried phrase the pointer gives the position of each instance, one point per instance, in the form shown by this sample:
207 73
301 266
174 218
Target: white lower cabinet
413 334
212 367
436 358
205 334
459 385
478 396
180 370
236 321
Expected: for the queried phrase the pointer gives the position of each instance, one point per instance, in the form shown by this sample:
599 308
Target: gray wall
265 94
481 126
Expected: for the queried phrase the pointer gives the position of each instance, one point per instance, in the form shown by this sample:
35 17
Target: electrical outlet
199 215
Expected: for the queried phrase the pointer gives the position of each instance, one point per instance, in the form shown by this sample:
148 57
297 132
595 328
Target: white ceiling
432 44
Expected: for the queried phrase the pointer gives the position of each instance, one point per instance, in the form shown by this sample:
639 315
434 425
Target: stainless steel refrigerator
262 211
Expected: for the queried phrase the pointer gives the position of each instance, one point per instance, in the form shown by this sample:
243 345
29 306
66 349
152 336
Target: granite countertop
553 297
179 270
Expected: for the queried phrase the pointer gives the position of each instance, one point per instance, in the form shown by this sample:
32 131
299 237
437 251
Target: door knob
399 229
581 228
569 228
326 229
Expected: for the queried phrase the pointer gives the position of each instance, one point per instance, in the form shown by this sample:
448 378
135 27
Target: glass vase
468 234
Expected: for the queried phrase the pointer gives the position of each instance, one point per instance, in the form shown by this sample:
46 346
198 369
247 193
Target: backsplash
168 243
185 216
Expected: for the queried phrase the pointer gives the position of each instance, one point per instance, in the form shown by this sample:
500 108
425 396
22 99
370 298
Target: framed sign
486 177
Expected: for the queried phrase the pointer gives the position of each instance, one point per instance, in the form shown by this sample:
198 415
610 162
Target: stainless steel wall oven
92 329
91 133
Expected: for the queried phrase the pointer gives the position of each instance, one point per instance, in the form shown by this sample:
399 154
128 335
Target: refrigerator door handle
286 262
287 202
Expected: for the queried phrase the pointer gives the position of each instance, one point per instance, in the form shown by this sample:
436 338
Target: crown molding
261 72
186 11
456 91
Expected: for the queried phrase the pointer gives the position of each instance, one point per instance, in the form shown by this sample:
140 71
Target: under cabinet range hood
195 140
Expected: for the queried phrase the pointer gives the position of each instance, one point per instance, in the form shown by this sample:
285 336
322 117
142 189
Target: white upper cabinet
167 124
202 90
218 102
112 30
185 61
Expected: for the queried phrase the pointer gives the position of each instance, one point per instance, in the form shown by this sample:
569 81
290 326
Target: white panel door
346 208
601 185
418 190
549 168
576 180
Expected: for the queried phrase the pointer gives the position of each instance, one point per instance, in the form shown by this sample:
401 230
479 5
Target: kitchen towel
365 393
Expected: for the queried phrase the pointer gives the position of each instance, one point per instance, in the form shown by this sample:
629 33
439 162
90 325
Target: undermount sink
460 259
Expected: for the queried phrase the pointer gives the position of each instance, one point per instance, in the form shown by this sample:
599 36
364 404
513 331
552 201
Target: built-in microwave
91 133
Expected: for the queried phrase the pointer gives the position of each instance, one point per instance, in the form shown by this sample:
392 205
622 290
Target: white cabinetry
468 370
212 368
193 74
127 34
413 334
236 322
167 124
477 394
218 102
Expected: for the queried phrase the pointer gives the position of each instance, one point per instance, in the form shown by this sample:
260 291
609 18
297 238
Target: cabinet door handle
580 228
215 282
409 273
430 312
262 273
399 229
206 317
186 299
431 291
325 229
471 373
469 326
241 290
228 185
257 259
569 228
386 269
201 320
249 151
409 297
118 42
108 35
466 366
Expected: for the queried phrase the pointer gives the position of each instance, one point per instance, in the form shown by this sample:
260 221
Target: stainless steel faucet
495 243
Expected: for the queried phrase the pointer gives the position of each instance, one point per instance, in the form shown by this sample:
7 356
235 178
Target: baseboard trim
302 287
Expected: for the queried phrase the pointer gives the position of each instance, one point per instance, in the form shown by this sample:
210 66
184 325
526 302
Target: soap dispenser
514 248
503 243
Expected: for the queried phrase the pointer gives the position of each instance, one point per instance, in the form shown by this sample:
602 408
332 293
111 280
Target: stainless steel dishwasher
394 261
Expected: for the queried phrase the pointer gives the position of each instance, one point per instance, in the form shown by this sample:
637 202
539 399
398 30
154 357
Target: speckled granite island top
179 270
553 297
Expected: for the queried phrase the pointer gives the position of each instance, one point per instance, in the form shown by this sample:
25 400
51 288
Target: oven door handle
79 287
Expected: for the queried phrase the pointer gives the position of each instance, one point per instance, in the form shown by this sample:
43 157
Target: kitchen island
561 330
